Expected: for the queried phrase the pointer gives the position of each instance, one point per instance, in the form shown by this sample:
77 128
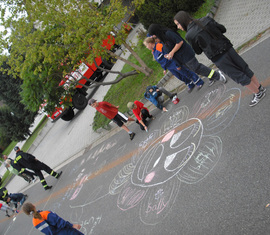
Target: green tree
163 11
48 39
12 126
15 119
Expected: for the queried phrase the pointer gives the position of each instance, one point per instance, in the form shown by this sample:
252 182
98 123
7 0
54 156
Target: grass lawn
35 133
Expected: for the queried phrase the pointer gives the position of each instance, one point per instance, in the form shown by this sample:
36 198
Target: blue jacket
53 224
152 96
158 54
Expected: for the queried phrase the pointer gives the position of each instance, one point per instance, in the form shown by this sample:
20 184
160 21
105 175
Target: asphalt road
203 168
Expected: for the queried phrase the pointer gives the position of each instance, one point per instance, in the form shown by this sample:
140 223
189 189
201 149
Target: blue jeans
188 77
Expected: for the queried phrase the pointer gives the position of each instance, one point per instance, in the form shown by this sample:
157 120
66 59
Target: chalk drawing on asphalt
186 150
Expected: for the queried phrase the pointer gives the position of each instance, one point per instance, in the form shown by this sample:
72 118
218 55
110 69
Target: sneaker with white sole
257 98
211 82
34 180
131 135
222 77
190 89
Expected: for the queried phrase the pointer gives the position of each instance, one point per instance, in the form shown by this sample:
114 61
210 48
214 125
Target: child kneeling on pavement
141 113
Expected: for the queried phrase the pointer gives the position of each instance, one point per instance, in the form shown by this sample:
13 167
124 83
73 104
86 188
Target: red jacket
107 109
137 111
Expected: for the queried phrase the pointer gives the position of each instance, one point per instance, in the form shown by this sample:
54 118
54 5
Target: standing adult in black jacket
206 35
26 160
178 50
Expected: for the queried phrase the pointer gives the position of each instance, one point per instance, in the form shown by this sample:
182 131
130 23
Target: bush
163 11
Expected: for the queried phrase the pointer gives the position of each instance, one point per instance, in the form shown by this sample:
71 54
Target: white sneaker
222 77
257 98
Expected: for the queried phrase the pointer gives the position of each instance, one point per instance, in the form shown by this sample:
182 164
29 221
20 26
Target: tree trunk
149 70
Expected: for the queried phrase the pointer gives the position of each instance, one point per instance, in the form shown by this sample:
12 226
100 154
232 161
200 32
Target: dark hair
183 18
159 31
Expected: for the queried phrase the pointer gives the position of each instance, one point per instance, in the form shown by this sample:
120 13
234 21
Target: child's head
149 89
28 208
182 19
149 43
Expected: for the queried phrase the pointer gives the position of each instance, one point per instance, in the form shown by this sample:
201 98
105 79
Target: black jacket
207 36
24 160
3 194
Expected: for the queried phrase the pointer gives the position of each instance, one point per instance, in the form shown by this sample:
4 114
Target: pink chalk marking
149 177
168 136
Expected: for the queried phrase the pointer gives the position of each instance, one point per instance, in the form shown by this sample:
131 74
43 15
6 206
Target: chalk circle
158 202
203 160
208 100
166 158
175 118
223 113
130 196
120 179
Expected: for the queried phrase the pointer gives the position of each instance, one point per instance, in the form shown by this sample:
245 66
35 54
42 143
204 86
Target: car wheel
79 101
69 114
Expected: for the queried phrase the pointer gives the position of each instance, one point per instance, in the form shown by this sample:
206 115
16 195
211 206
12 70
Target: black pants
201 69
145 114
39 166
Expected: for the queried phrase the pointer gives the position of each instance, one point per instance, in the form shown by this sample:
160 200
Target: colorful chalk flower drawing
153 178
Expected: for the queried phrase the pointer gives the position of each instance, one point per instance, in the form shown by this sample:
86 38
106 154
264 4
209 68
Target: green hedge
163 11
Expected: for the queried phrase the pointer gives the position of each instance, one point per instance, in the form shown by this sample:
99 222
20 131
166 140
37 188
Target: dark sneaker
189 90
48 187
211 82
152 117
257 98
222 77
199 87
59 174
131 136
262 89
7 214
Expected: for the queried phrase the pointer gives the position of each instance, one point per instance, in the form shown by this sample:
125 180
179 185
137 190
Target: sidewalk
244 19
